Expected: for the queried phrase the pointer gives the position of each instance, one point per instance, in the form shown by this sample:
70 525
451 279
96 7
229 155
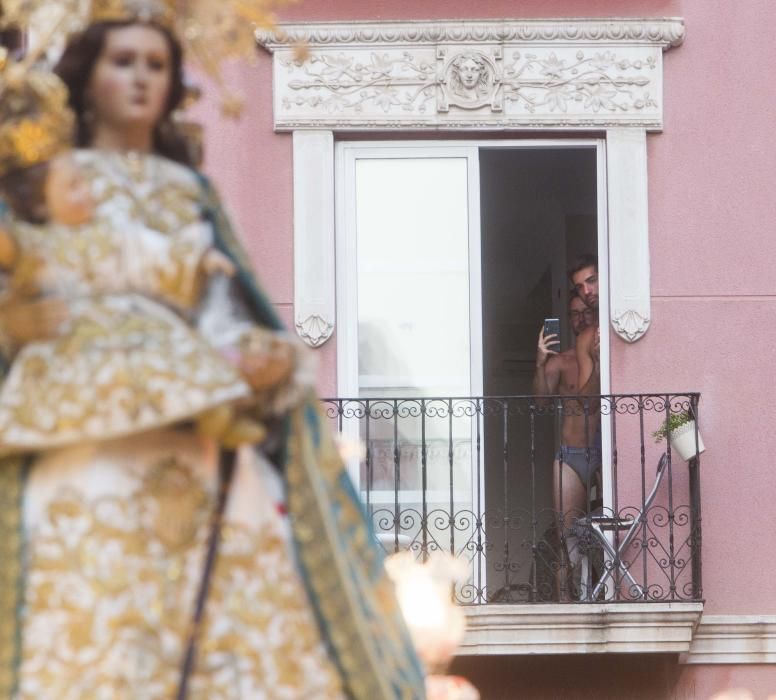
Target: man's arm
547 375
547 378
589 376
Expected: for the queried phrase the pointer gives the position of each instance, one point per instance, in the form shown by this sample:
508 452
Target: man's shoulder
563 359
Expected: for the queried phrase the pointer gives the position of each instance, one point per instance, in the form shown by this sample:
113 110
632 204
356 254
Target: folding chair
597 525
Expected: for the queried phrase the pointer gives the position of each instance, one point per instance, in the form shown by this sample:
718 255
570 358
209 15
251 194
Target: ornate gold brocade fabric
114 567
128 359
124 366
115 533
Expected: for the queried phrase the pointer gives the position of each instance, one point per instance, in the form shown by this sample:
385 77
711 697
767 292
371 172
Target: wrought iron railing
473 476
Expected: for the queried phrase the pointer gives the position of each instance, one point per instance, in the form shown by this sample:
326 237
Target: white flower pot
683 441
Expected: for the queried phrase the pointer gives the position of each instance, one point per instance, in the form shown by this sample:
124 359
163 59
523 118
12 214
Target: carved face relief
470 72
470 80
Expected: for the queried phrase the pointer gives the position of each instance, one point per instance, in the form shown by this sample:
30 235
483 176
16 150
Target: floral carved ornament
404 81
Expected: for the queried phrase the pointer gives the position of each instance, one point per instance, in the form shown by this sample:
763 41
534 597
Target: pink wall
712 209
620 676
714 316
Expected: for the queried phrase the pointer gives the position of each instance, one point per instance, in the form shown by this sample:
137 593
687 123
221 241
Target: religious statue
148 550
94 380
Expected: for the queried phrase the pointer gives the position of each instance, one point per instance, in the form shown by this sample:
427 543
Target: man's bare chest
569 373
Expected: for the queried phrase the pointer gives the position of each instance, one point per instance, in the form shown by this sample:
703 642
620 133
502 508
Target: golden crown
35 121
212 31
162 12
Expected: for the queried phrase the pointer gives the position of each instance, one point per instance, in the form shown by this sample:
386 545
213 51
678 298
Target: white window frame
346 154
346 264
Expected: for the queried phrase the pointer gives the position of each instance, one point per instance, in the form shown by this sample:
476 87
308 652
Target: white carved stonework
471 74
469 80
630 325
314 281
628 218
314 330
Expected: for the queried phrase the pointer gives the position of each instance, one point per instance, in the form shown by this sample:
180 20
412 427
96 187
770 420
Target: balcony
618 570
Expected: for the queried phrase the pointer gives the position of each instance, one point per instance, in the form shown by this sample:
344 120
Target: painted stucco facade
713 295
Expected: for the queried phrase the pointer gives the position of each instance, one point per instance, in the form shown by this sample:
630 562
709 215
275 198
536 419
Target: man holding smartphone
579 457
557 372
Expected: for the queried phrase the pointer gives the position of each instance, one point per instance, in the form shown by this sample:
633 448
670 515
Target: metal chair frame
599 525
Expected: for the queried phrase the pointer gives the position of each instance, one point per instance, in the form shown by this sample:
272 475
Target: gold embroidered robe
115 531
124 361
148 511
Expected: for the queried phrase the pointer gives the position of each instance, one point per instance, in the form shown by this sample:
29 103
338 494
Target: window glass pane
412 224
413 276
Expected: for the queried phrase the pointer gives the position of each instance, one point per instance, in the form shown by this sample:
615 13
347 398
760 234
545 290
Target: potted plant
681 431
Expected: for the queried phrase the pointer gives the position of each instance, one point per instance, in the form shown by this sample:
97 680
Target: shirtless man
558 373
584 278
583 448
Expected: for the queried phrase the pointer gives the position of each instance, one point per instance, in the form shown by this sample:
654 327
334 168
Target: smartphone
552 327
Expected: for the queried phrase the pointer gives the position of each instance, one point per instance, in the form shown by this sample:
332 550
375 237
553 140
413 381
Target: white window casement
482 85
418 286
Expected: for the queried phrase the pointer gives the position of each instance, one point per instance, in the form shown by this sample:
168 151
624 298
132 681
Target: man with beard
584 278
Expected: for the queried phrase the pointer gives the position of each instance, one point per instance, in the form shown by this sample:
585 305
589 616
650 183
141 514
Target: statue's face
470 73
131 79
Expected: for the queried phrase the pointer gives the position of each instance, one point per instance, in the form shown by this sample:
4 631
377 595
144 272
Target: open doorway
449 256
538 214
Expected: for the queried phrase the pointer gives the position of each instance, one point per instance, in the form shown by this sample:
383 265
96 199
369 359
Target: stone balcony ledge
596 628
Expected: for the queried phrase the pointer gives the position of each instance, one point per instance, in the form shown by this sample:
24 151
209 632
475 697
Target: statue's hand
28 321
215 262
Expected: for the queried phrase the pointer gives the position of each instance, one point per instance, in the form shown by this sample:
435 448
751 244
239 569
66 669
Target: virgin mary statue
146 560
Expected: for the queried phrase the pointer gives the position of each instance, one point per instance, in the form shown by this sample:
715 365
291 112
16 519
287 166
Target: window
449 255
